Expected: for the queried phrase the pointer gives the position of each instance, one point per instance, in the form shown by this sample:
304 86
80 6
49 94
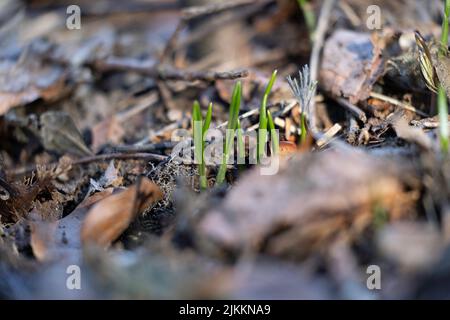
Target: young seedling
442 98
262 134
240 142
273 135
304 92
200 128
232 126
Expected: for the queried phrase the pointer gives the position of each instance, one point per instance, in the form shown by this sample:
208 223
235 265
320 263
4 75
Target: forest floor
354 205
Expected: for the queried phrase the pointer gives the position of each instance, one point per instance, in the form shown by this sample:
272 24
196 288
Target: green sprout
240 141
262 135
200 128
442 98
273 134
308 14
232 126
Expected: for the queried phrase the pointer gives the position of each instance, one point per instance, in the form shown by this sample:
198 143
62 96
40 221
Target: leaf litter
87 176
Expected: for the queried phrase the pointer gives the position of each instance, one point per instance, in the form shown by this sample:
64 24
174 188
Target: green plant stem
229 136
442 97
443 119
262 134
444 35
273 135
241 144
208 118
303 127
197 123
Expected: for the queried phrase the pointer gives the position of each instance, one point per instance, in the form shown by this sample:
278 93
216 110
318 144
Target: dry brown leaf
107 220
287 148
411 134
112 176
59 133
22 83
61 239
351 64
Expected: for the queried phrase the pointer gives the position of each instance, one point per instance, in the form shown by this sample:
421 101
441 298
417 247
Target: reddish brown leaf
107 220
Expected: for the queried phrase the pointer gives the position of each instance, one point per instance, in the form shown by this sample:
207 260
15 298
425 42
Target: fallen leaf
287 148
58 240
410 133
24 82
58 133
106 221
110 178
352 63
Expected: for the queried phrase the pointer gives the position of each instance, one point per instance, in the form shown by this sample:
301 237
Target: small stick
350 14
199 11
164 73
255 111
326 137
397 103
145 147
352 109
219 22
90 159
170 44
213 8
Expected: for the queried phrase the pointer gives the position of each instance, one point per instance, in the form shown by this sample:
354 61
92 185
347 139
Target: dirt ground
350 202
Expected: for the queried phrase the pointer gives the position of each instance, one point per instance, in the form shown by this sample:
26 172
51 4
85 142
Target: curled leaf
107 220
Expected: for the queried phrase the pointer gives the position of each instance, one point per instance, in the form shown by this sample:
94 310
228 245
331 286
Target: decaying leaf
61 239
287 148
20 197
285 214
110 178
352 63
107 220
24 82
59 133
411 133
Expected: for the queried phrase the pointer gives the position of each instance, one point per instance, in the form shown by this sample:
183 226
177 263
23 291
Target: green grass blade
442 97
234 106
196 112
197 123
202 173
240 141
197 130
262 136
271 82
232 125
263 108
202 167
208 117
444 34
273 134
443 119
